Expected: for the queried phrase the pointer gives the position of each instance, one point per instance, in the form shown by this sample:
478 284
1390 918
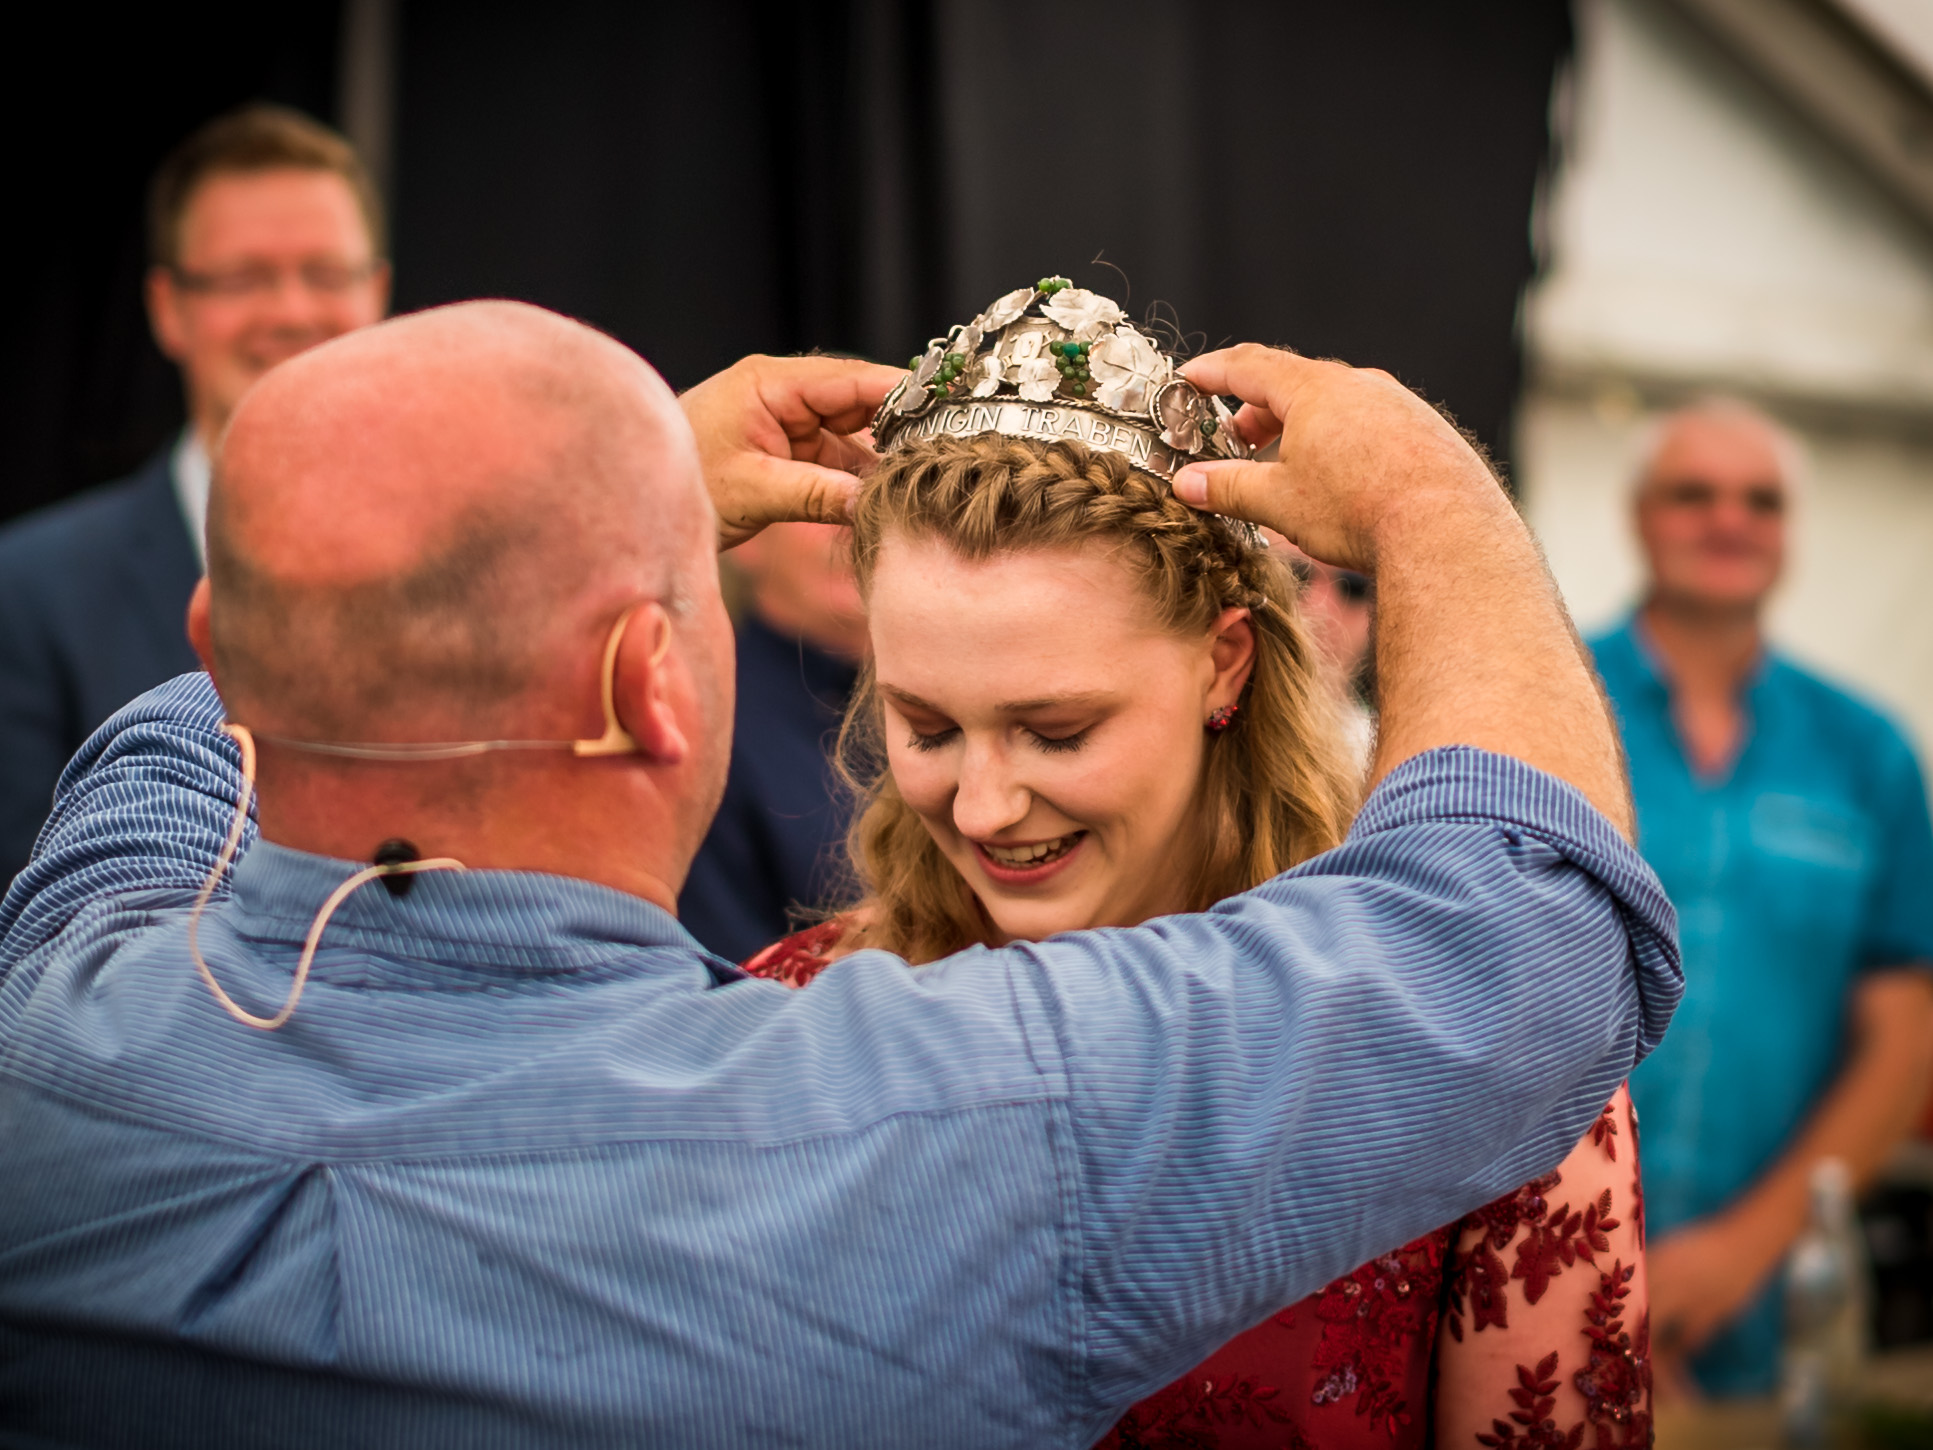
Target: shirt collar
1646 655
190 468
503 924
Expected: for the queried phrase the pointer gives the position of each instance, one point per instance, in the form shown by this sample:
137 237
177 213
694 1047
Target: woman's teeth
1034 855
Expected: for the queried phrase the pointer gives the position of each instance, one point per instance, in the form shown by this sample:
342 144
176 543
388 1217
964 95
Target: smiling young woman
1090 705
1052 633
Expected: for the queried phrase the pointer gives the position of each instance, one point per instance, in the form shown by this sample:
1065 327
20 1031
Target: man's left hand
1701 1277
775 438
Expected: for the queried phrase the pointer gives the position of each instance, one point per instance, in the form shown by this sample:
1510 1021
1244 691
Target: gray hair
1721 407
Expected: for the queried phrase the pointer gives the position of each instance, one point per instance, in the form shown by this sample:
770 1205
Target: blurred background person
1339 606
1788 821
775 852
265 238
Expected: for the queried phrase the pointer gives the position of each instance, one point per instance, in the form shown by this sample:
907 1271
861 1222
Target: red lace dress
1522 1325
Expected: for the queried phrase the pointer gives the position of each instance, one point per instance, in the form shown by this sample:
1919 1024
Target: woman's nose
989 798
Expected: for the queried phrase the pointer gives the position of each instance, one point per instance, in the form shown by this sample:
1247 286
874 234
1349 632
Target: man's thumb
1229 487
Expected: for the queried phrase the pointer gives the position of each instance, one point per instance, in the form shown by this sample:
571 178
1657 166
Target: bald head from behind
424 532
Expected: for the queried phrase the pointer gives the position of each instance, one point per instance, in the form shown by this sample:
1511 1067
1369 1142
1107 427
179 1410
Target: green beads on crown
947 378
1050 285
1071 359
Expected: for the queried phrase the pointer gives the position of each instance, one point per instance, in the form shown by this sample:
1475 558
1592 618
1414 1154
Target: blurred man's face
803 585
1711 516
270 263
1338 607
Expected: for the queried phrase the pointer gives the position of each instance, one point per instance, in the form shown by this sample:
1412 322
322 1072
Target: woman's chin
1032 922
1036 915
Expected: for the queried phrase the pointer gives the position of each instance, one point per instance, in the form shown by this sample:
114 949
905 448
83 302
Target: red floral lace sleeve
1546 1331
800 957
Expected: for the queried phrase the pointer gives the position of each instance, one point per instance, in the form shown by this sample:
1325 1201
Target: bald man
1788 821
434 1128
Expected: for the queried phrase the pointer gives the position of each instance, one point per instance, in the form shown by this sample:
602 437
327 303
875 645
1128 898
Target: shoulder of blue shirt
1847 720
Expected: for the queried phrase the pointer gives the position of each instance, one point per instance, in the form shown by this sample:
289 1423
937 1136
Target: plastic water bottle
1826 1291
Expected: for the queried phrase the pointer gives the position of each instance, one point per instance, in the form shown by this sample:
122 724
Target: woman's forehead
1060 619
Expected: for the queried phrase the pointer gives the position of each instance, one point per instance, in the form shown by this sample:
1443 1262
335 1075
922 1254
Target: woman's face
1048 728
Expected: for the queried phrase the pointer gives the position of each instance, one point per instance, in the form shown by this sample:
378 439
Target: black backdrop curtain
709 180
94 100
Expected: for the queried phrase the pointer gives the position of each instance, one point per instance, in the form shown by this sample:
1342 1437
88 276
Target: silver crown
1054 362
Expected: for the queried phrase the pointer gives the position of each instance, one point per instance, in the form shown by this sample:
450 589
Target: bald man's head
416 529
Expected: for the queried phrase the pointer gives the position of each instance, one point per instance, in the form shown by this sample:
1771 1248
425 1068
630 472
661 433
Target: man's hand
1356 446
1703 1273
1473 646
775 438
1701 1276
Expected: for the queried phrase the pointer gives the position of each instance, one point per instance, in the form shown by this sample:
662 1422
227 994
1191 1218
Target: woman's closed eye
1060 744
932 740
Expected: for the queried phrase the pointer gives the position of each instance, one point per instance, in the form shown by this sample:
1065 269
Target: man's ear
1232 648
164 314
200 635
644 685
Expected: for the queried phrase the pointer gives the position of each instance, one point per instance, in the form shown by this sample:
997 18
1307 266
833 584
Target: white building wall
1701 237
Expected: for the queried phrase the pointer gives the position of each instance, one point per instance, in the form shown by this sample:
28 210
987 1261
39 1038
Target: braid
1277 789
989 493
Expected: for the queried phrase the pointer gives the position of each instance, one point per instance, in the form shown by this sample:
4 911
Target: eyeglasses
324 278
1350 587
1761 500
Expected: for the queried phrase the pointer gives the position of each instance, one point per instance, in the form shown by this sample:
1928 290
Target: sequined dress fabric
1524 1324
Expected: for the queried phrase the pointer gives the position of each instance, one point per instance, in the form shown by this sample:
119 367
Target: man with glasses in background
1788 822
265 238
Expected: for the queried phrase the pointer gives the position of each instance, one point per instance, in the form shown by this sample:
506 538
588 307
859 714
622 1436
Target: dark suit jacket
93 602
775 845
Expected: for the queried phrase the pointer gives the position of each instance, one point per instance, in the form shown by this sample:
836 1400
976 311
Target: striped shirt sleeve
1266 1095
139 816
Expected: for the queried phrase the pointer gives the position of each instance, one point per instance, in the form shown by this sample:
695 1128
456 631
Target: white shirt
190 468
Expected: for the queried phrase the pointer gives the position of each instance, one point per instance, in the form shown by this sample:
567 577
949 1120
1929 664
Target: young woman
1089 706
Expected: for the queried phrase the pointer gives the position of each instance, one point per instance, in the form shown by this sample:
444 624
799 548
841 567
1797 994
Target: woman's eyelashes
932 740
1059 744
1050 744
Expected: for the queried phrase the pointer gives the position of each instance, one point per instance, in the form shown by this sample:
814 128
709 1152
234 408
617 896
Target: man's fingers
839 394
771 490
845 452
1258 426
1226 487
1264 377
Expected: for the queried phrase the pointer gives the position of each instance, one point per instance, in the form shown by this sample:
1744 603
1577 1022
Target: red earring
1220 718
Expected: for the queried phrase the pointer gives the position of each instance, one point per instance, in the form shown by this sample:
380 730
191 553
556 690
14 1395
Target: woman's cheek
924 784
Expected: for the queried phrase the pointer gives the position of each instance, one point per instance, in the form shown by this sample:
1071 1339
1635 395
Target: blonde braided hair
1277 789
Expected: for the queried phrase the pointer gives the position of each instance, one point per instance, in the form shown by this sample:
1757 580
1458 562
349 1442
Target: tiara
1054 362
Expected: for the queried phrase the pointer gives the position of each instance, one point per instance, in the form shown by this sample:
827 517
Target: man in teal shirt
1788 822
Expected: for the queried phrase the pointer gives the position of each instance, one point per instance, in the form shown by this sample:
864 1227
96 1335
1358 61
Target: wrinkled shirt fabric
527 1168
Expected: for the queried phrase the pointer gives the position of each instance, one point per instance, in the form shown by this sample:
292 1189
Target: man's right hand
1473 645
775 438
1356 445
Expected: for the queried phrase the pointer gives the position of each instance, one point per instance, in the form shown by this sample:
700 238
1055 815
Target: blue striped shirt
528 1168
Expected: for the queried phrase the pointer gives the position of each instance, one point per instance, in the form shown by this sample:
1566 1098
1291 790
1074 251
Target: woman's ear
1232 649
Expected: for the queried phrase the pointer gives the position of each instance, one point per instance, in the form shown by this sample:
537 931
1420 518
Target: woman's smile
1045 723
1027 863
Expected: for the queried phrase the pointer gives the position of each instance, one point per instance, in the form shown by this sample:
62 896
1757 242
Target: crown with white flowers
1054 362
